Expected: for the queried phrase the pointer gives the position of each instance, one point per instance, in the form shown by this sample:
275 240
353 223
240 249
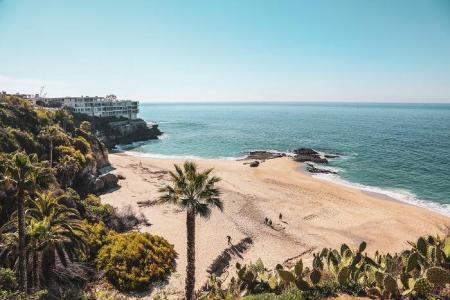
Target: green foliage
8 280
133 260
420 272
49 135
24 140
86 127
288 294
81 144
96 211
15 295
55 135
96 237
72 152
64 119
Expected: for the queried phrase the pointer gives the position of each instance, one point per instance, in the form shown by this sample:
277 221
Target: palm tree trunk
22 250
190 267
35 271
51 152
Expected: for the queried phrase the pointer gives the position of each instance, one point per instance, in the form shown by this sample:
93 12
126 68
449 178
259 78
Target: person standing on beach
229 239
280 217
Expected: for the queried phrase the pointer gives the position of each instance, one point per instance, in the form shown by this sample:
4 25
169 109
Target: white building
107 106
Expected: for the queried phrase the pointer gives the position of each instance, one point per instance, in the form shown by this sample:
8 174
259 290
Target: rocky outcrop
263 155
313 169
104 183
130 131
110 180
86 181
254 164
114 131
308 154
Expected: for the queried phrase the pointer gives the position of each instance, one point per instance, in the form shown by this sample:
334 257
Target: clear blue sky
377 50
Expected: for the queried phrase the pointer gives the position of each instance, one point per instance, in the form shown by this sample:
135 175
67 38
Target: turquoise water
401 150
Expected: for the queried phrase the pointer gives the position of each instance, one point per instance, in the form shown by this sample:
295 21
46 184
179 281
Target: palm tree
66 169
55 230
20 174
51 134
195 192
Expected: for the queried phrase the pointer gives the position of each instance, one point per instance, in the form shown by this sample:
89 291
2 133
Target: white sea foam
180 157
397 194
163 136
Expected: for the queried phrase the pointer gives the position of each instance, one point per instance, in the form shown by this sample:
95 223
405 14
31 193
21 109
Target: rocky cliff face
85 181
113 131
129 131
106 134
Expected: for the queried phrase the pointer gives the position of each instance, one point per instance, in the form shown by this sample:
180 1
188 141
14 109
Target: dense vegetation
133 260
53 231
421 272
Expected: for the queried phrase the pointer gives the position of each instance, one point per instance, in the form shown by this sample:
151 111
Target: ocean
399 150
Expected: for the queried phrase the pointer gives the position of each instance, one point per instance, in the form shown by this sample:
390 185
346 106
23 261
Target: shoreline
379 192
316 214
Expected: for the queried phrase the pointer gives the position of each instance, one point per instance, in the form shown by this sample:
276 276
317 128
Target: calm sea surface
401 150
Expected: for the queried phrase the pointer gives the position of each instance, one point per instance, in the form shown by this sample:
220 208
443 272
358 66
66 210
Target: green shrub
96 235
133 260
96 211
8 281
70 151
82 144
25 139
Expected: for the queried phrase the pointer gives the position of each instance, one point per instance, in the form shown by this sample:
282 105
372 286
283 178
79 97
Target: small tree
51 134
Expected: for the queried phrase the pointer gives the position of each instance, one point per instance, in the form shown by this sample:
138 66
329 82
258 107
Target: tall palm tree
51 134
20 174
196 193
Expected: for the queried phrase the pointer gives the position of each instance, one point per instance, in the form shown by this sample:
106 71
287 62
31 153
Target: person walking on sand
280 217
229 239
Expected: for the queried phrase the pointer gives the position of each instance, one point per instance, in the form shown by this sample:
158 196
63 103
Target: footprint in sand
310 217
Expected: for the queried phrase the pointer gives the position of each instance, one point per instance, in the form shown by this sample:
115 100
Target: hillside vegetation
56 237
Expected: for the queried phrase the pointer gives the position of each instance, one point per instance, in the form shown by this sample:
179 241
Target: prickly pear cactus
390 285
423 287
437 276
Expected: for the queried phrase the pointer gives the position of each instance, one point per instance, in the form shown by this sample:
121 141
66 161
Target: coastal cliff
113 131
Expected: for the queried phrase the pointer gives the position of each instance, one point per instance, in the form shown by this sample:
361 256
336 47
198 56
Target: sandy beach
316 214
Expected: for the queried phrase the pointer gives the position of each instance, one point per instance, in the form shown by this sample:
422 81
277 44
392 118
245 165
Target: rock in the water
315 159
263 155
110 180
312 169
306 151
254 164
307 154
331 156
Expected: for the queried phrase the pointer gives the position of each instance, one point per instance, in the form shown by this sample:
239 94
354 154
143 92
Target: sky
216 50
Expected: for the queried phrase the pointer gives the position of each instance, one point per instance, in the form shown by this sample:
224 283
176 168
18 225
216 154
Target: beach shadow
222 261
111 190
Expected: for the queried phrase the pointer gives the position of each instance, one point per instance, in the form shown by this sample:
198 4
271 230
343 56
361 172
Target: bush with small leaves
133 260
8 280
